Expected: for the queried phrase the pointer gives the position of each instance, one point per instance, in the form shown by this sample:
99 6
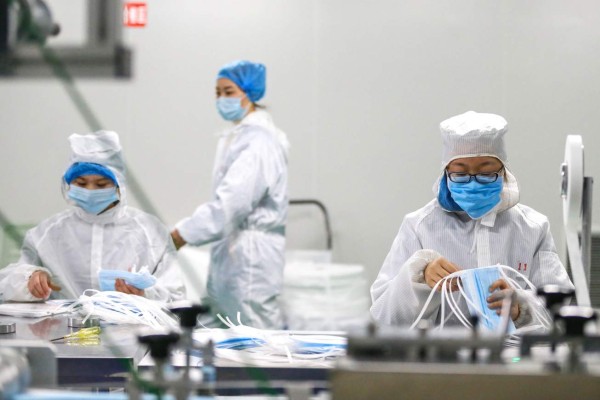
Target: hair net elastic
473 134
84 168
249 76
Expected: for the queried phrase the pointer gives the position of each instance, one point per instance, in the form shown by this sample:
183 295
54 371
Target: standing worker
245 220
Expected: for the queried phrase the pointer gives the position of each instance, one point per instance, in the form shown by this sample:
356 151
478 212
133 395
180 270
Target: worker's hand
40 285
122 286
500 290
177 239
437 270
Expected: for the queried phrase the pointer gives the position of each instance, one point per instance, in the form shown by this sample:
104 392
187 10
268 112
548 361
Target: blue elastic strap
240 343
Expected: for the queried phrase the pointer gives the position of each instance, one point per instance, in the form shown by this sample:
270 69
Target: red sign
135 15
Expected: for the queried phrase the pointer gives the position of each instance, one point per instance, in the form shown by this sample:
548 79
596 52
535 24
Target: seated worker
64 254
474 221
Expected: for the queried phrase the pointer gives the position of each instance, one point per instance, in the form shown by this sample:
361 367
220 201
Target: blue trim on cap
84 168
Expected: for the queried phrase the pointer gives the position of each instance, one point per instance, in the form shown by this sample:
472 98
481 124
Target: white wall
390 71
360 88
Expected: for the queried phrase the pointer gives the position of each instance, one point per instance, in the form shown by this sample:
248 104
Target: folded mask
476 284
141 279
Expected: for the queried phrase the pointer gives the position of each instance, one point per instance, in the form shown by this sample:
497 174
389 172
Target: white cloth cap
473 134
101 147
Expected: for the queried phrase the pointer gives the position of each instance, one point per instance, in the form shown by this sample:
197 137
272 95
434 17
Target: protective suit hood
475 134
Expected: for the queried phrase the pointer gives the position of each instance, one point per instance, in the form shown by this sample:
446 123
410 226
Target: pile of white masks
121 308
254 346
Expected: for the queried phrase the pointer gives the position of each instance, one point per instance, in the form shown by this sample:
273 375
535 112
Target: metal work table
104 363
236 378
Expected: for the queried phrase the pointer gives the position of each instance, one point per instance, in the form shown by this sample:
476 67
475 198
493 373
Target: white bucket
324 296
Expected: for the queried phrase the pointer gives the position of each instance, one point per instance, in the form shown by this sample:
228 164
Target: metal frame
103 56
325 216
586 227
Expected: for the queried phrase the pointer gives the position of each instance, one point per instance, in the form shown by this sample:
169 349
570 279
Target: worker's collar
488 219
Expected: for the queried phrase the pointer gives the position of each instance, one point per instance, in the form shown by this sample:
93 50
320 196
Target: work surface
101 362
106 363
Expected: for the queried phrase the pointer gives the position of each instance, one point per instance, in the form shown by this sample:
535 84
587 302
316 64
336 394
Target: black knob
188 312
575 318
159 343
555 295
474 320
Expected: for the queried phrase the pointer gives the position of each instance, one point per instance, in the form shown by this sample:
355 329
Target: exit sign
135 14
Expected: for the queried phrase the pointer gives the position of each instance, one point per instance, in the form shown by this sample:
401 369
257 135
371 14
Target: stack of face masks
476 285
250 345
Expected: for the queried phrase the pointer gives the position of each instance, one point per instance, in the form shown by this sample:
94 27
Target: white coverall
512 234
246 220
73 246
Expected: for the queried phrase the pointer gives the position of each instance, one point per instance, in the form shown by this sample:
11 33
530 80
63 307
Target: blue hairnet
250 77
83 168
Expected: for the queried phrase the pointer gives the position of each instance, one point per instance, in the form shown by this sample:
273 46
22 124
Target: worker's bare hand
177 239
40 285
122 286
437 270
500 290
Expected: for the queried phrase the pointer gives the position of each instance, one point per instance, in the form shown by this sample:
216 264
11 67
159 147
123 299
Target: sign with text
135 14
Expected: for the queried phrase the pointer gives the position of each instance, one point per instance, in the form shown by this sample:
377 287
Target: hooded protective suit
246 220
510 234
74 245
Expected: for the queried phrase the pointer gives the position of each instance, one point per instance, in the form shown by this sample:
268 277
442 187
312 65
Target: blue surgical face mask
476 284
231 108
475 198
141 280
93 201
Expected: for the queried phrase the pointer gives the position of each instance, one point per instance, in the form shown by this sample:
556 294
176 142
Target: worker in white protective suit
246 218
475 220
68 252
